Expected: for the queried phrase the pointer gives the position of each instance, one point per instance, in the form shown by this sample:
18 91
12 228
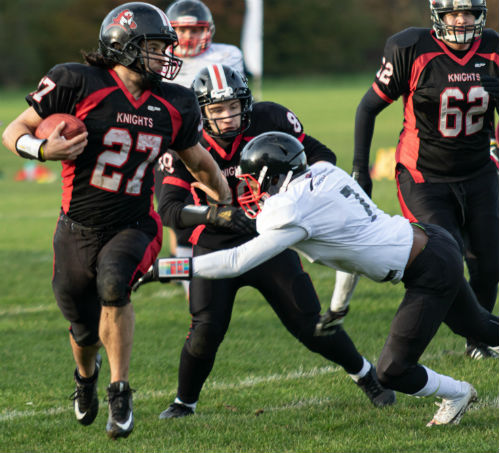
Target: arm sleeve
238 260
345 283
369 107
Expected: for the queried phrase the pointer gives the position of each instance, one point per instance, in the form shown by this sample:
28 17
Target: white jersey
325 216
226 54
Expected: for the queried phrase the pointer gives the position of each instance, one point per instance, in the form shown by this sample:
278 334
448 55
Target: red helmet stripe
218 77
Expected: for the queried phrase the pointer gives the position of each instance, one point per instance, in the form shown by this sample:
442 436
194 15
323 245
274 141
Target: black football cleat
85 401
120 416
176 410
479 351
378 395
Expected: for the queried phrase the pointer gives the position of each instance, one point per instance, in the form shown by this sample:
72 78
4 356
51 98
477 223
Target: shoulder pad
408 37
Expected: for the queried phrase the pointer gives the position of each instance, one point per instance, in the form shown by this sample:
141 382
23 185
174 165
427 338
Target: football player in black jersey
448 77
230 120
107 233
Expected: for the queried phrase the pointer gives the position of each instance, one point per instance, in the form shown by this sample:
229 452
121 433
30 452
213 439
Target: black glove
490 85
150 276
362 177
330 322
231 218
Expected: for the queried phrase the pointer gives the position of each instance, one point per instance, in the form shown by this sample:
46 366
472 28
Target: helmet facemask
191 47
253 192
454 33
170 65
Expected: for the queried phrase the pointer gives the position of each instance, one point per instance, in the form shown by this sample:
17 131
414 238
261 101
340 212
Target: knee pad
112 288
83 335
204 340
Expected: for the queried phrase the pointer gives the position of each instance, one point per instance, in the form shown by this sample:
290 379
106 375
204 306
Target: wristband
29 147
174 268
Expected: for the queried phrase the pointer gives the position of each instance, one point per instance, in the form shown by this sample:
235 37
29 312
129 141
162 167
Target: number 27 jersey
448 116
111 182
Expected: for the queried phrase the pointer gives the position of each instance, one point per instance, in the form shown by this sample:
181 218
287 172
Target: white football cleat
450 411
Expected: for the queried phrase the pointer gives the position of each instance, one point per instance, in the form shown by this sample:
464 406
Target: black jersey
265 116
448 116
111 182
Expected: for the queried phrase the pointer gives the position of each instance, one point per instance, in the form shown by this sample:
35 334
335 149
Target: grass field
266 393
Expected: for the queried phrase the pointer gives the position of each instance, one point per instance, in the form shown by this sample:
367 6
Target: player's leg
440 204
431 288
469 319
481 227
124 254
289 291
210 304
73 284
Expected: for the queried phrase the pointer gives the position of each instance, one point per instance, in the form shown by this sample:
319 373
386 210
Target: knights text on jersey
111 182
265 116
345 229
448 116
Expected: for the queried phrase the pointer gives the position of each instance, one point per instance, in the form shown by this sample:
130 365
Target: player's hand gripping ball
74 126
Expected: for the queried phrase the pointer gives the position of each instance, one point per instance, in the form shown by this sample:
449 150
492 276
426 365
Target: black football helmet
220 83
457 34
191 13
126 27
268 163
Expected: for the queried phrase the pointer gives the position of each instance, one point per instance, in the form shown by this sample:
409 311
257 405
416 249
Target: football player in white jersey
321 212
193 23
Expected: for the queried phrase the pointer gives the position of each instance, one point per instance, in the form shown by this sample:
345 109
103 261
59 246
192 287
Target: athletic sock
440 385
190 405
363 372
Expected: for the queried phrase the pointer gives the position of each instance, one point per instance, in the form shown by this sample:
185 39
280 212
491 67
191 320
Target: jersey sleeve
191 127
235 59
278 212
58 91
278 118
392 79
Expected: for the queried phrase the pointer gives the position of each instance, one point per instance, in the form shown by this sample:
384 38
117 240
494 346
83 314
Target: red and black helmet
125 28
268 163
191 13
220 83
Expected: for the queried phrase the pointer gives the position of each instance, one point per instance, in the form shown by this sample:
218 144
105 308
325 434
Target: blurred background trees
301 37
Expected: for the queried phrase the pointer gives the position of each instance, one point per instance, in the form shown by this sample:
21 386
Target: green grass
266 393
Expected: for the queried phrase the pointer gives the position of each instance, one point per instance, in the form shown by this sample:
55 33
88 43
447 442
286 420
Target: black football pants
290 293
469 211
436 292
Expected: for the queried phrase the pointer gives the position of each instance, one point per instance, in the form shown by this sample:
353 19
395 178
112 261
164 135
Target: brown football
73 127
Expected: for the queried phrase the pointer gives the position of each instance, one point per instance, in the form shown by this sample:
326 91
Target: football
73 127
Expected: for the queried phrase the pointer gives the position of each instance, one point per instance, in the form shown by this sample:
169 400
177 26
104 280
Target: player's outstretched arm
224 263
